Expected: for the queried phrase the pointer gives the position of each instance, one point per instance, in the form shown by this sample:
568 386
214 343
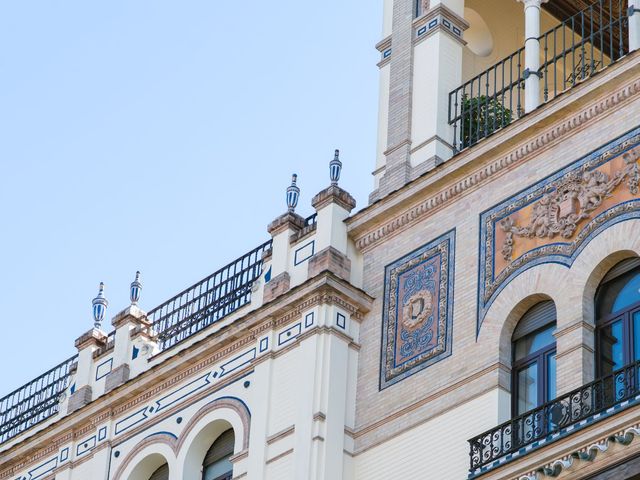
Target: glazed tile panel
418 304
554 219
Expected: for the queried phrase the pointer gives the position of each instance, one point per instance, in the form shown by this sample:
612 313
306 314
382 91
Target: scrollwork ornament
564 205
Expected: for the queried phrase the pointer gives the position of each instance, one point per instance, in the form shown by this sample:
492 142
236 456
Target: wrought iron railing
209 300
34 402
573 51
554 416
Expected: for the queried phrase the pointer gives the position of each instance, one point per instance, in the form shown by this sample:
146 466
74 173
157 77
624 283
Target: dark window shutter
538 316
221 448
621 268
161 474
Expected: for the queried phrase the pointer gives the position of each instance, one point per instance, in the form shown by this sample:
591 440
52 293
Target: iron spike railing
34 402
553 416
577 48
209 300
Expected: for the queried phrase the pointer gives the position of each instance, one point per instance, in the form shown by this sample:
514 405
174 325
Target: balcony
554 420
570 53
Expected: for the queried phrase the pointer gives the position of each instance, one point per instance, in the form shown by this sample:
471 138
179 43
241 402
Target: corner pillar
333 206
86 344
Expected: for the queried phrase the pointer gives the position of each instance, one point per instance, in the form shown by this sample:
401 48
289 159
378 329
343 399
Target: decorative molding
371 237
418 310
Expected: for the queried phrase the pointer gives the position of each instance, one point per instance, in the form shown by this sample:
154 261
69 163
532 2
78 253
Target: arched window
534 359
216 464
618 317
161 473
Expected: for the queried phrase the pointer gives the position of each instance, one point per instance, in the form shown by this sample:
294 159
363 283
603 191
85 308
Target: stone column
634 25
532 54
281 230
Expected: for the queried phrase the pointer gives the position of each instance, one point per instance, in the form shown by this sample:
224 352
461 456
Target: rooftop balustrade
573 51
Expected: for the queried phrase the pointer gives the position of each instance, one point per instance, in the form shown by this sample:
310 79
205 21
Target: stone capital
287 221
131 314
532 3
93 337
334 194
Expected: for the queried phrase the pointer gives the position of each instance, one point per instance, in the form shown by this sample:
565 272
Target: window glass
527 379
534 342
611 347
551 376
618 294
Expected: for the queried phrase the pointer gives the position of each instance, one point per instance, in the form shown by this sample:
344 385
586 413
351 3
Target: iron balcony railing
573 51
209 300
553 416
34 402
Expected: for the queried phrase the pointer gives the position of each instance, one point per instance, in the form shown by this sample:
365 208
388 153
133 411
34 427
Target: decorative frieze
554 219
418 310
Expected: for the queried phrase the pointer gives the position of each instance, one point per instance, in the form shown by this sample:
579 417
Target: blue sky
161 136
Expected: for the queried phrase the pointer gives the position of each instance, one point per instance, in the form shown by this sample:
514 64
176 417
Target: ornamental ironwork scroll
554 219
416 326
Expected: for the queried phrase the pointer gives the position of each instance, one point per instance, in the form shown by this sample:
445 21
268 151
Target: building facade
480 318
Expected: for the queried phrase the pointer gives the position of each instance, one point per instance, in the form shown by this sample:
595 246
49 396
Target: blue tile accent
237 362
341 320
86 446
433 23
182 392
102 434
64 454
289 334
304 253
131 421
457 31
72 389
104 369
563 253
267 276
308 319
43 469
422 30
446 23
135 352
264 344
387 53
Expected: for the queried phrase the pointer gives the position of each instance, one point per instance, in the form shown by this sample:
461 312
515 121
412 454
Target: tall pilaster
421 63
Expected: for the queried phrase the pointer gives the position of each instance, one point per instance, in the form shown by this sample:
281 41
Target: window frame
540 356
628 350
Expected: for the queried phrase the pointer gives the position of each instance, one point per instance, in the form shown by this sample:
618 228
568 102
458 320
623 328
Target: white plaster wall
284 392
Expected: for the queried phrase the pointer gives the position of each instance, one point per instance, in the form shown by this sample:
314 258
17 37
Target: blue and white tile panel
441 20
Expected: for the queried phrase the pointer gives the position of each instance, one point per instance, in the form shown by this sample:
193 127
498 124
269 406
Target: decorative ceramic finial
335 167
100 305
134 293
293 193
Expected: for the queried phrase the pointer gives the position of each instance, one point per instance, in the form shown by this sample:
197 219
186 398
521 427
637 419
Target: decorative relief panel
552 220
418 308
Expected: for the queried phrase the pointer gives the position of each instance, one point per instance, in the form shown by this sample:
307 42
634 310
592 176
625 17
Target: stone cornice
325 288
502 151
334 194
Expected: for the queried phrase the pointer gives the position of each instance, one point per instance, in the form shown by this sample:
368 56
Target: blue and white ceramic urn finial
100 305
335 168
134 292
293 194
